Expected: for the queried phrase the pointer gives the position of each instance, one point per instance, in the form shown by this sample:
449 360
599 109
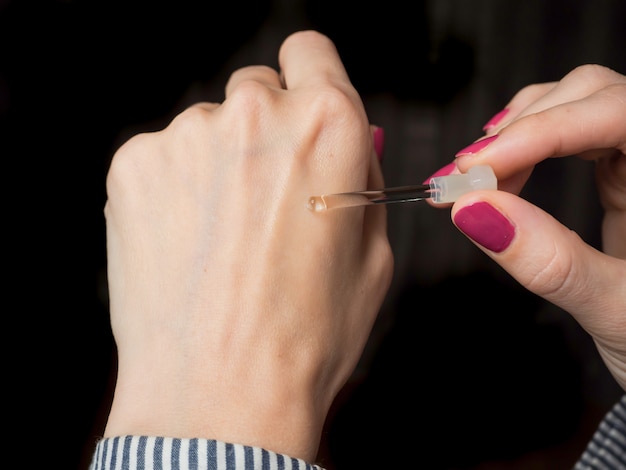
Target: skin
238 314
583 115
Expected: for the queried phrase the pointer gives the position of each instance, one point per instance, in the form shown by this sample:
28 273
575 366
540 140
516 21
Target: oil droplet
316 204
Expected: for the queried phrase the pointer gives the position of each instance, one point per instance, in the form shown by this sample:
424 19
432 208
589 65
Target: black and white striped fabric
606 451
163 453
607 448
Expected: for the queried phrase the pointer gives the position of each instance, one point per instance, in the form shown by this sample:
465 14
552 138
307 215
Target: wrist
282 419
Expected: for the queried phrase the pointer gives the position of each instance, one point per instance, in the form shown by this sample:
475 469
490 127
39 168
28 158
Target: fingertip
485 224
445 170
495 120
378 134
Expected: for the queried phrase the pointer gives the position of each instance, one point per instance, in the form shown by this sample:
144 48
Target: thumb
549 259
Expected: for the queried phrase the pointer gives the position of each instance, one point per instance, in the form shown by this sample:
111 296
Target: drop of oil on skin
316 204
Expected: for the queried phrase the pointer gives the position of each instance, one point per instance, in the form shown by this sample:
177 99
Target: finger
577 84
522 99
378 136
258 73
546 257
611 177
375 224
375 220
375 180
307 58
207 106
571 128
539 96
529 94
375 177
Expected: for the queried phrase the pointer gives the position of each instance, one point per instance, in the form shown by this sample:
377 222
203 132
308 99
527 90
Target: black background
79 77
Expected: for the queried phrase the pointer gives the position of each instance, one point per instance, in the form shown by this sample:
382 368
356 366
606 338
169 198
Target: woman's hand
584 114
238 313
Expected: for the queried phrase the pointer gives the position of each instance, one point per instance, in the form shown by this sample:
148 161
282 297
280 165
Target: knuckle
126 164
591 74
334 103
189 121
248 94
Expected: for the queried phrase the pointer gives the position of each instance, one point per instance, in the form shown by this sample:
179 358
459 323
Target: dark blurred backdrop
519 386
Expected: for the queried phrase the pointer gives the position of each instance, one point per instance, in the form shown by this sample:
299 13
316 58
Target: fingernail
379 142
476 146
486 226
444 171
493 122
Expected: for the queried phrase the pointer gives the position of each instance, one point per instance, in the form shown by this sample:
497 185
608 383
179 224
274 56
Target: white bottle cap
449 188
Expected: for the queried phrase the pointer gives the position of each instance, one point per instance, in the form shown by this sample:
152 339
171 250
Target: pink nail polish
486 226
493 122
379 142
444 171
476 146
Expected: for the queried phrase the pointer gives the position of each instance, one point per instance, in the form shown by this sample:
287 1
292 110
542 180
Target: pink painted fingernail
476 146
486 226
379 142
444 171
493 122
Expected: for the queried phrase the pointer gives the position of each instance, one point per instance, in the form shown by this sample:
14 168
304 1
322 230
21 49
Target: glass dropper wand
441 189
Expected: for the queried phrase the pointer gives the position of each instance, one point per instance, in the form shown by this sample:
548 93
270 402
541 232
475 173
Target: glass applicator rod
440 189
362 198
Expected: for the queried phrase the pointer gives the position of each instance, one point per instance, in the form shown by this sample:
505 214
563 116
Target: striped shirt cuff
607 448
166 453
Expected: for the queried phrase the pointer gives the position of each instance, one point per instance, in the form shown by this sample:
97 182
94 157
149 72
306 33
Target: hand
238 313
584 114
